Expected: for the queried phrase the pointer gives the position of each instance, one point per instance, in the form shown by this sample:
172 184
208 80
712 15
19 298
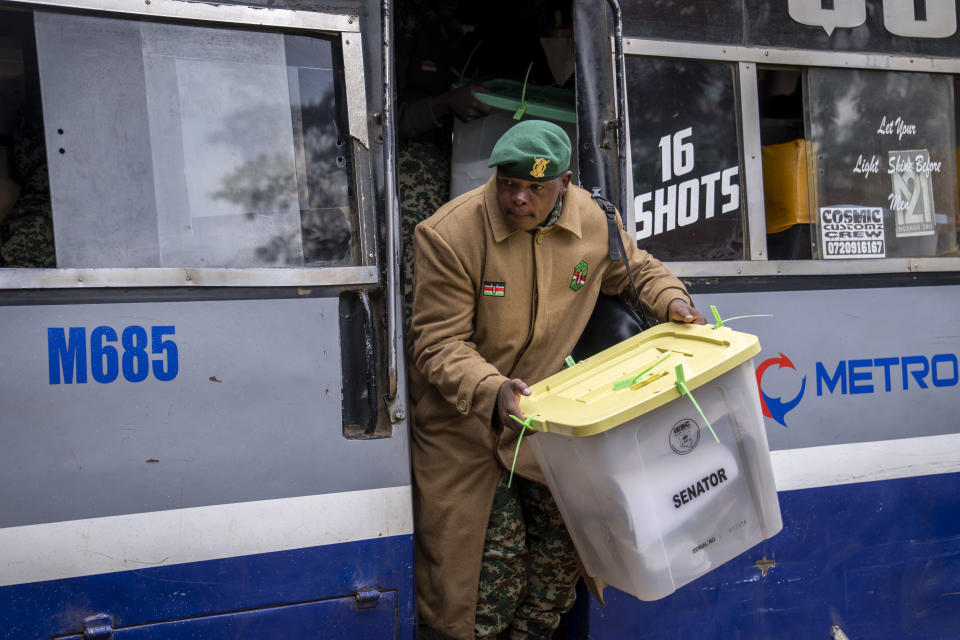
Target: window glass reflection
193 146
882 158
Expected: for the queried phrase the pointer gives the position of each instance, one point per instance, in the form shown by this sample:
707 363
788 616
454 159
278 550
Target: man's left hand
680 311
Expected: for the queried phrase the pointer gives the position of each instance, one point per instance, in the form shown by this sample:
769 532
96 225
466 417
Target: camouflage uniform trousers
530 566
26 234
424 186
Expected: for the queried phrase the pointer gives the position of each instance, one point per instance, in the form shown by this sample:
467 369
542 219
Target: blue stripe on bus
878 559
44 609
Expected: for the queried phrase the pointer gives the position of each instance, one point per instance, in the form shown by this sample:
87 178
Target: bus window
784 158
882 163
187 146
858 163
956 107
686 158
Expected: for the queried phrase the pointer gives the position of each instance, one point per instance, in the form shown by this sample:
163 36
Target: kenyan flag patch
495 289
579 275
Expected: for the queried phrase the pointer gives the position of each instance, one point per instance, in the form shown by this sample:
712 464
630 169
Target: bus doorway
465 74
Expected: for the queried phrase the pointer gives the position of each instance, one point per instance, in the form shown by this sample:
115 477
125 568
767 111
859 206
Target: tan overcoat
466 344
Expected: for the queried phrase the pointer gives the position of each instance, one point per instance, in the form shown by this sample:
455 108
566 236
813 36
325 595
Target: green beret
534 150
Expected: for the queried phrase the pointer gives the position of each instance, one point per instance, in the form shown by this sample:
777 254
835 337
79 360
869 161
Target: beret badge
539 167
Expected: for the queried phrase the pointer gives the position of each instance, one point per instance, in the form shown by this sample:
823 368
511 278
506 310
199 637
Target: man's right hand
508 402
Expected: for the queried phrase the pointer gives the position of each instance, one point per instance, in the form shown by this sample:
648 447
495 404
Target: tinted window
700 20
687 175
883 162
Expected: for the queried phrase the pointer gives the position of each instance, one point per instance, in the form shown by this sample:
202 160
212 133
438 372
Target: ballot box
651 498
473 141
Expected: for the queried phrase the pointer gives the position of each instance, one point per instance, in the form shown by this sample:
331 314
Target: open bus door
799 160
203 429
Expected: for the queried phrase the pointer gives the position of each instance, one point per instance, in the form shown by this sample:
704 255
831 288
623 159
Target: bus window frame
346 26
747 59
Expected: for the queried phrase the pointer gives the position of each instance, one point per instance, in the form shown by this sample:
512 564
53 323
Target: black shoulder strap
617 250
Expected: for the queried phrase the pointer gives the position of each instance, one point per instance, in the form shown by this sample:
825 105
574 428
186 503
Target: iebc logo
684 436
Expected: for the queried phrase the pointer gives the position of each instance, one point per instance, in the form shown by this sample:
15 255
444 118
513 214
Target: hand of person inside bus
508 402
680 311
461 102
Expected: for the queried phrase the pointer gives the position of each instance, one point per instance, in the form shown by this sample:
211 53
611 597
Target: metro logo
858 376
775 407
863 376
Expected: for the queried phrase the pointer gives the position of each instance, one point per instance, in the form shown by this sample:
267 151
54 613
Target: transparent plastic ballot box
651 499
473 141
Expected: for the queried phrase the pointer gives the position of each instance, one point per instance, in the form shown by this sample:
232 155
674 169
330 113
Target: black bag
613 319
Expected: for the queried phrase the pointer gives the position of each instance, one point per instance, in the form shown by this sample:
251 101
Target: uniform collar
569 217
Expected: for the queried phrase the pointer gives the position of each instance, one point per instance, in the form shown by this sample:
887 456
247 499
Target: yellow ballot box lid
634 377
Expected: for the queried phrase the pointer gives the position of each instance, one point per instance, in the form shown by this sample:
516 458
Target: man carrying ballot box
506 277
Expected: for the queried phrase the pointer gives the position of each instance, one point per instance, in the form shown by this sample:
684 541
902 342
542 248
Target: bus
205 416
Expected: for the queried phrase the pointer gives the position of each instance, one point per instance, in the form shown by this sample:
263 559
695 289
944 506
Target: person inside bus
443 49
26 231
493 310
430 51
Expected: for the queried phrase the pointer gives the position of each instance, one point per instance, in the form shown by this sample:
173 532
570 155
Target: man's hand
680 311
462 102
508 401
